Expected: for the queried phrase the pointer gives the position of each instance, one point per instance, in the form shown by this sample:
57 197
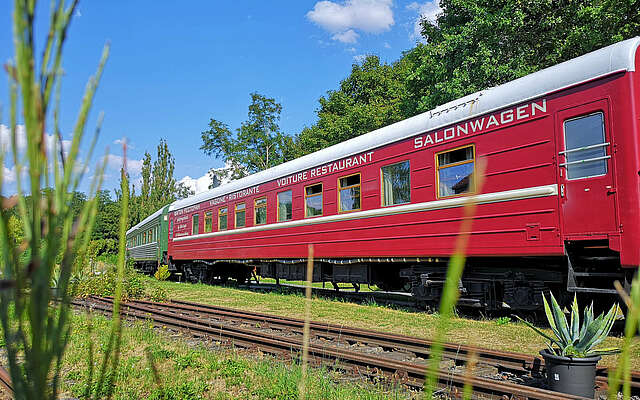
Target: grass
187 369
327 285
492 334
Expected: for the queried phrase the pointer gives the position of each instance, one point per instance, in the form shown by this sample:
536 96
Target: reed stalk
35 318
450 293
302 386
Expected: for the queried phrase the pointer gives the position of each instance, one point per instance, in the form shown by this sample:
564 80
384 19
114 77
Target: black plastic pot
571 375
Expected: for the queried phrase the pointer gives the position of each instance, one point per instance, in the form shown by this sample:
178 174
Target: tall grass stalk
450 293
34 318
302 389
622 373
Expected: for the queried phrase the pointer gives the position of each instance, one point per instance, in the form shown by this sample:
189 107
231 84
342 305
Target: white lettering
509 116
492 121
542 108
477 125
438 140
465 130
521 112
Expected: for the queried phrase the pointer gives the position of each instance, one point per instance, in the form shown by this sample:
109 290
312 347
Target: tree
145 189
477 44
258 143
158 188
371 97
107 217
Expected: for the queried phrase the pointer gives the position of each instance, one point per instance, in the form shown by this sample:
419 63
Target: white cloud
349 36
429 11
124 141
371 16
8 174
21 138
114 162
201 184
197 184
387 45
5 138
359 58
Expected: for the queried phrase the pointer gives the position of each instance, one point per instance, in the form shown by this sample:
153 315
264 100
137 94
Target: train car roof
617 57
148 219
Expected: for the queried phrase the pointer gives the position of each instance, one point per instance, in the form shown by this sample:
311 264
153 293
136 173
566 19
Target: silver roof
144 221
617 57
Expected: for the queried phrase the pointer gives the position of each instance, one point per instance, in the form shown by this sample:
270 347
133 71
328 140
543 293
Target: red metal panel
520 153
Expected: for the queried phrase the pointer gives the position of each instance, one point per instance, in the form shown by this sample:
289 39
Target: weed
181 391
503 321
189 360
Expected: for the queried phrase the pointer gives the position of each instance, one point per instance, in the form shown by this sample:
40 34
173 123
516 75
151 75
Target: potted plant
571 357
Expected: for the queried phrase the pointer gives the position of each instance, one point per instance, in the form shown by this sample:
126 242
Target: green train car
147 241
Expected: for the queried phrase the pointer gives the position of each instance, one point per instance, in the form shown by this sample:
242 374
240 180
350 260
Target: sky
175 65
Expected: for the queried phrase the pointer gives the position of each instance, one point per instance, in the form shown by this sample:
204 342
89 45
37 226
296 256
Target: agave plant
573 339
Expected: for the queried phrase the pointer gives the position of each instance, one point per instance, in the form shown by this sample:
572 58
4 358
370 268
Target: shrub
104 284
162 274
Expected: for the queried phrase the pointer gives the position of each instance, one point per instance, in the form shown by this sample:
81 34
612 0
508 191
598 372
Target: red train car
559 208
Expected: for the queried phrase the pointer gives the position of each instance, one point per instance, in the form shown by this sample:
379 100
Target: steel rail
5 380
411 373
419 347
504 359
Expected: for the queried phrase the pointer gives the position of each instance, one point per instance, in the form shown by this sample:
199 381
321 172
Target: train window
285 206
144 237
260 210
222 219
194 224
150 235
455 171
396 184
240 215
171 229
349 189
585 147
313 200
208 221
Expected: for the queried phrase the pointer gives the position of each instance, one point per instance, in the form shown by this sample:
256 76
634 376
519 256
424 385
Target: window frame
208 215
226 214
278 206
382 184
605 145
255 210
340 188
235 215
472 182
313 195
193 218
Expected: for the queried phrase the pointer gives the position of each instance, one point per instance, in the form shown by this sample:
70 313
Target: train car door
588 194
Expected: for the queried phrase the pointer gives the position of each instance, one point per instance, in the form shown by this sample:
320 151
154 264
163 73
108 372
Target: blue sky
175 65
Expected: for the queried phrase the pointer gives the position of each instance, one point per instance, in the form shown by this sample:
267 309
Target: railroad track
367 352
5 380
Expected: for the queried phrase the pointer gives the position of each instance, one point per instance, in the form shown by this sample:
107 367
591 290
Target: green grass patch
187 369
497 334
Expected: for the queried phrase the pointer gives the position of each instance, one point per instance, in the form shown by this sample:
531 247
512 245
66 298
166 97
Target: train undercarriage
487 284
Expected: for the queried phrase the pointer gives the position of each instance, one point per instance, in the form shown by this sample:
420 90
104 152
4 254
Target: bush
104 284
162 274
